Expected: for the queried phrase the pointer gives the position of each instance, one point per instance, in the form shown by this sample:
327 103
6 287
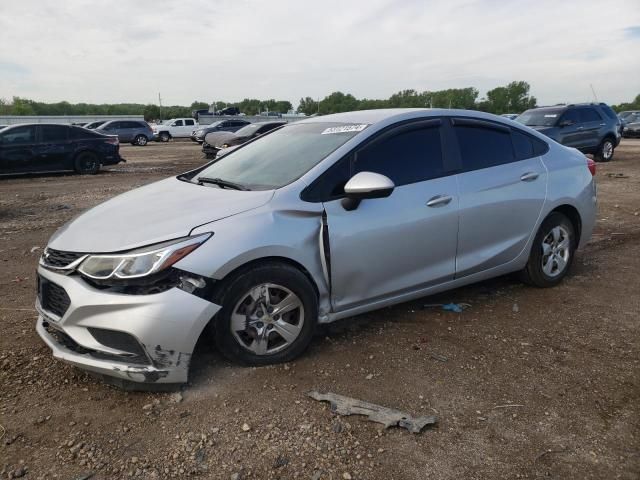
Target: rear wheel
268 315
140 140
164 137
87 163
552 252
605 150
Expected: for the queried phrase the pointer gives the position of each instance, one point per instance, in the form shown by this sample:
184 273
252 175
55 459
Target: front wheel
87 163
605 150
164 137
552 252
268 315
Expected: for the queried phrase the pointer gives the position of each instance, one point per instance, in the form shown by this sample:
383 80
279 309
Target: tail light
113 140
591 165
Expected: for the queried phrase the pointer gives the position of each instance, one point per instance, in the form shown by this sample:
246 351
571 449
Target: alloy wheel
556 249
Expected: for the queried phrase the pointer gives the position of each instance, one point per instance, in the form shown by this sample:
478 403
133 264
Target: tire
164 137
605 150
248 333
87 163
547 270
140 140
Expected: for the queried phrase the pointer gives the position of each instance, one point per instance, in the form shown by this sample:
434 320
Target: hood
235 140
214 137
155 213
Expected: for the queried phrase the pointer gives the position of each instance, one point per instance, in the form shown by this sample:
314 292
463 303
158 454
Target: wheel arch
249 265
86 149
574 217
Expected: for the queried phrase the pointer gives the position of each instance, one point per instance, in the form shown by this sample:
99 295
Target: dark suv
136 132
590 127
47 147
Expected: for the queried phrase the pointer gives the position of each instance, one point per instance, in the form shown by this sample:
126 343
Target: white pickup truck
174 128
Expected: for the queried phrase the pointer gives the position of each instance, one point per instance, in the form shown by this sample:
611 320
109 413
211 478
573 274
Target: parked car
196 113
29 148
322 219
136 132
589 127
229 111
213 143
94 125
631 125
174 128
623 115
220 126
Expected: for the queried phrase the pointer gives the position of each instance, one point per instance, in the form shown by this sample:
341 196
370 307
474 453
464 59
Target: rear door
17 150
502 190
591 122
189 127
53 148
402 243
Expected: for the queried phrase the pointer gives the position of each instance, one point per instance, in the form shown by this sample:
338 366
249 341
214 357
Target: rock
33 249
148 406
346 476
369 377
176 397
245 427
516 309
19 472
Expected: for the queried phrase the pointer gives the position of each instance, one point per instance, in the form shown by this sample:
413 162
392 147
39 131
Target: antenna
160 103
594 92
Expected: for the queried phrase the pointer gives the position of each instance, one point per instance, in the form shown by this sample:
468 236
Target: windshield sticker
344 129
551 115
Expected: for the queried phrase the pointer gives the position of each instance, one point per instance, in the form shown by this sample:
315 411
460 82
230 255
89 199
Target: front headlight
140 262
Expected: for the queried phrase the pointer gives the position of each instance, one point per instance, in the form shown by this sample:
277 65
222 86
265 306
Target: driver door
395 245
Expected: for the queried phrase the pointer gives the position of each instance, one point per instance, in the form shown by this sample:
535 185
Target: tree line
511 98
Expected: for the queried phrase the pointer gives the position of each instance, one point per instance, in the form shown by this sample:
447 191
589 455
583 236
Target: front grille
53 298
66 341
117 340
59 259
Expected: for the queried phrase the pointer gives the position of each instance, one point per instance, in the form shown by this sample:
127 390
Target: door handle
529 176
579 128
439 201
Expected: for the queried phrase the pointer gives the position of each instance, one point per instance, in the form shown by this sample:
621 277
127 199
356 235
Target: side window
54 133
482 147
81 133
570 116
589 115
20 136
522 145
177 123
408 157
113 126
189 122
608 111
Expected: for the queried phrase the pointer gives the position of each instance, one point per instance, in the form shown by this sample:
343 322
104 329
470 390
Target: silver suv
320 220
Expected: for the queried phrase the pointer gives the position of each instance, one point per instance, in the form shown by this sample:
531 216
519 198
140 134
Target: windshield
540 118
281 157
249 130
212 125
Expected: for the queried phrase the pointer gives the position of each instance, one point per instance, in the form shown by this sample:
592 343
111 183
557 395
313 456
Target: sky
211 50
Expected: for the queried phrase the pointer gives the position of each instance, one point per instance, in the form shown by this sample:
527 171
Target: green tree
308 106
513 98
633 105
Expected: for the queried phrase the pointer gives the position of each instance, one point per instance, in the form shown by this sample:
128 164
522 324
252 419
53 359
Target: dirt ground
526 383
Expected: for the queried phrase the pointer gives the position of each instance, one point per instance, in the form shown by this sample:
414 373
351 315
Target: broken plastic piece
377 413
449 307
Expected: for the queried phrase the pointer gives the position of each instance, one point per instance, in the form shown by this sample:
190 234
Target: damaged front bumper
137 338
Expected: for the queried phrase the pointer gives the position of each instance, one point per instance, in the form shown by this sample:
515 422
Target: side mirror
366 185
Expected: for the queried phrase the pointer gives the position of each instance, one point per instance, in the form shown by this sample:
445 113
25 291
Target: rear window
54 133
589 115
483 147
608 111
78 133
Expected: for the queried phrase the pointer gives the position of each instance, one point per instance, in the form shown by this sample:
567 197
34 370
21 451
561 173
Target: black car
212 145
44 148
228 111
589 127
221 126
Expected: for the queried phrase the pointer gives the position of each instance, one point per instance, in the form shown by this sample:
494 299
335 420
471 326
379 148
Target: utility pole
160 103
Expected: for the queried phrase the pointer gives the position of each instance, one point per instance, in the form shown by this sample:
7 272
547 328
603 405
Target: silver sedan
321 220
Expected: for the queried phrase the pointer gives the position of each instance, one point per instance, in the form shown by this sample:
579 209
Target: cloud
86 50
